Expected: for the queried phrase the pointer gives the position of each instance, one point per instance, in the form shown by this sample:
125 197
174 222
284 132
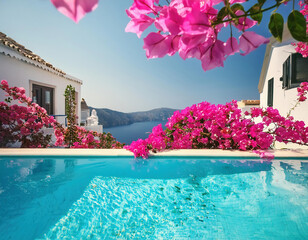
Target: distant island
109 118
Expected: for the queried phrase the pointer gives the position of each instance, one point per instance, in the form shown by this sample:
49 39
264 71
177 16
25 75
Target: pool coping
285 153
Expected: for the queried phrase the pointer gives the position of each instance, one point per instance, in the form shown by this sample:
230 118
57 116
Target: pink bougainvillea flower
169 21
249 41
189 46
214 2
196 23
244 23
4 83
75 9
145 6
157 45
174 47
231 46
213 56
138 25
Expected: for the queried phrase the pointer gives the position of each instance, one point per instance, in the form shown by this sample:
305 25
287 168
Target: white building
282 72
44 83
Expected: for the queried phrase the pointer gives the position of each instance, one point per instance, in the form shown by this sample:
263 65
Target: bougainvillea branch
192 27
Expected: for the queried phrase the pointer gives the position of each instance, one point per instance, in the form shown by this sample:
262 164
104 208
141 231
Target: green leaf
297 26
236 7
276 26
222 14
257 17
256 13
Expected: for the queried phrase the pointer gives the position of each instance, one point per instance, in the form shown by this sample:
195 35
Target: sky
112 64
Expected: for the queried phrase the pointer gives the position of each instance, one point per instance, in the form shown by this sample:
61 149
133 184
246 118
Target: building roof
251 102
30 57
286 40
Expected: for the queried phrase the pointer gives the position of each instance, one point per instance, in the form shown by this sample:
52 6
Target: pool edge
286 153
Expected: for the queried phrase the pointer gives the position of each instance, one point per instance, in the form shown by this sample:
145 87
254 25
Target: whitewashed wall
23 74
283 99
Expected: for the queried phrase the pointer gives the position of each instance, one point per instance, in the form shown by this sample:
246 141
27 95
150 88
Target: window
299 68
270 93
295 71
286 73
43 96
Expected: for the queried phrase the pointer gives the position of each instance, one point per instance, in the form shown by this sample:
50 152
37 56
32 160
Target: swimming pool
160 198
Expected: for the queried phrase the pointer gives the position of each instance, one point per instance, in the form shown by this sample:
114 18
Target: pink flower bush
210 126
22 123
91 139
25 124
203 125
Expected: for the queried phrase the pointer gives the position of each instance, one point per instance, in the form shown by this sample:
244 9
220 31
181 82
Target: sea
128 133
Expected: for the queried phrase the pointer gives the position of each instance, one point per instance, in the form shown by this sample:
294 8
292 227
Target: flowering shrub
209 126
22 123
25 124
91 139
200 126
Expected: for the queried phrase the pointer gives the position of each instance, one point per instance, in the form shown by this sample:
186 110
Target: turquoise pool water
163 198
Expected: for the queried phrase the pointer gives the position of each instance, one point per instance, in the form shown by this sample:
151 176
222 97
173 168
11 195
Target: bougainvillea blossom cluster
210 126
192 27
25 124
187 27
302 91
22 123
